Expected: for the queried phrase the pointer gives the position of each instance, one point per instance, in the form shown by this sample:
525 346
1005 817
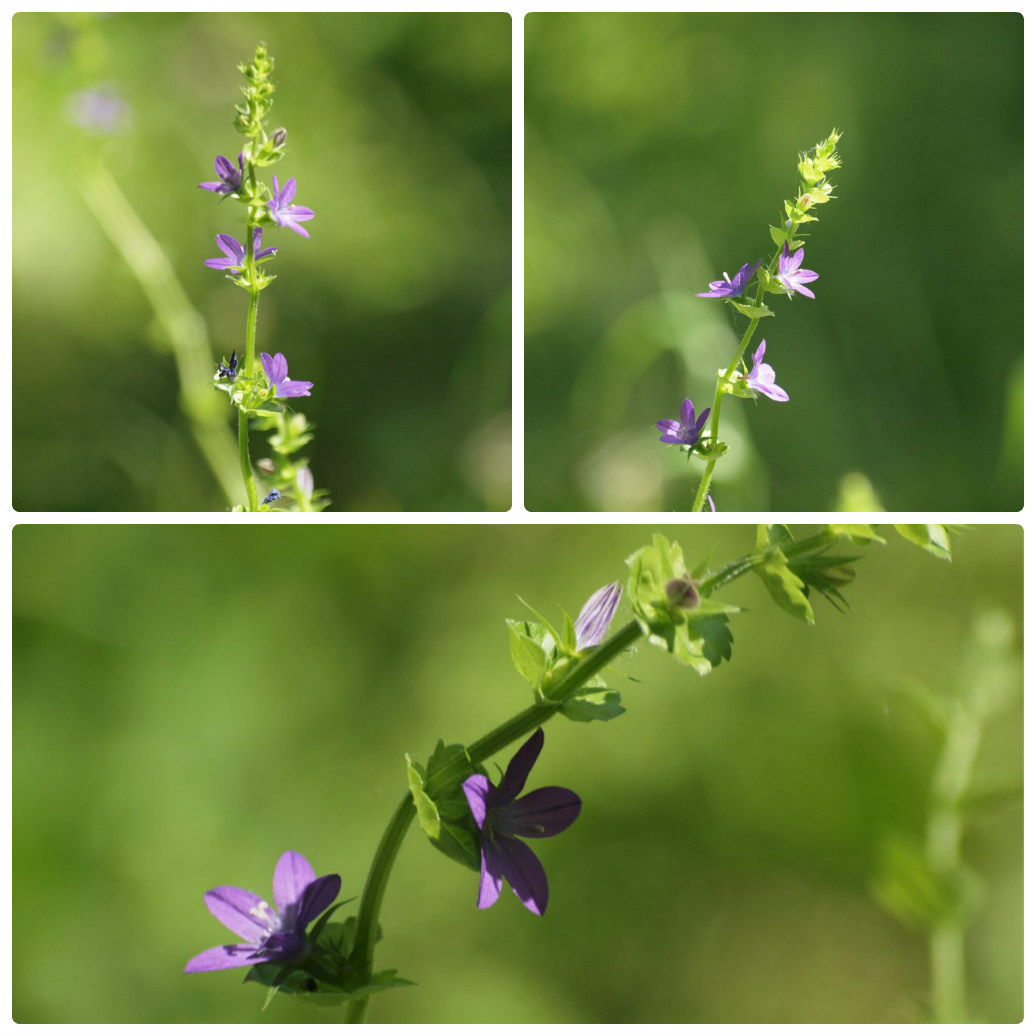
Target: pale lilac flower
596 616
276 368
712 506
234 252
100 110
229 178
686 431
789 274
270 934
762 376
502 820
304 480
730 287
283 212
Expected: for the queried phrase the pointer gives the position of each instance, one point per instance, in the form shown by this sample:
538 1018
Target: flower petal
276 192
669 426
687 413
318 896
243 912
596 616
230 247
290 878
293 388
287 193
518 769
491 880
220 957
542 813
478 791
276 366
524 873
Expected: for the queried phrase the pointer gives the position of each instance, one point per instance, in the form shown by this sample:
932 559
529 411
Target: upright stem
478 751
945 830
242 416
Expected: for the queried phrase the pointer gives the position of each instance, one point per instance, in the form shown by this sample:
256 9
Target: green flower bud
682 593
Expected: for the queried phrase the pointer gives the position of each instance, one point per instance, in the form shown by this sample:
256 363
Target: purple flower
596 616
276 368
269 934
229 178
686 431
730 288
100 110
789 274
708 496
540 814
235 252
230 373
283 212
762 376
274 494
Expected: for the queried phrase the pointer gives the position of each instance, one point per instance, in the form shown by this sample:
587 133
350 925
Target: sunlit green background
659 148
179 723
397 308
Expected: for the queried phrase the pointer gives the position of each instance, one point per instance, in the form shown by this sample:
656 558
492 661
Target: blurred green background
659 148
397 308
177 727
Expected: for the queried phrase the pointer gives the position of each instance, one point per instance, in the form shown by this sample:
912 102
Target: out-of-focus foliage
659 148
176 730
397 308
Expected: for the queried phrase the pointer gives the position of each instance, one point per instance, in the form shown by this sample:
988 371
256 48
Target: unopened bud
279 137
683 593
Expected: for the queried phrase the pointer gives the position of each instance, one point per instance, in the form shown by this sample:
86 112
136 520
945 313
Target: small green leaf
784 586
527 653
857 533
427 813
717 640
933 538
593 705
755 312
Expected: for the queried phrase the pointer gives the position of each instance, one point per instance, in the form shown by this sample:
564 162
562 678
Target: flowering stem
242 416
518 726
724 380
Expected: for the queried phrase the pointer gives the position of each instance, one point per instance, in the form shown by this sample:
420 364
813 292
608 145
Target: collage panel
353 171
819 215
570 774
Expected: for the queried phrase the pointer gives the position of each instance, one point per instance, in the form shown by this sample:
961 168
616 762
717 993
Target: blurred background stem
183 326
943 844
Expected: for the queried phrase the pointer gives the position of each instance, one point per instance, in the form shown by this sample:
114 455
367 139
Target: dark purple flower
270 934
686 431
730 288
274 494
276 368
596 616
283 212
789 274
762 376
540 814
230 372
234 252
229 178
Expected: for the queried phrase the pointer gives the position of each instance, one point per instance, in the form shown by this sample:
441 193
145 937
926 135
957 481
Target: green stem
723 382
945 832
242 416
184 327
478 751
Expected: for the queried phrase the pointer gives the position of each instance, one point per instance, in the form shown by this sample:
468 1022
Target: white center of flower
266 916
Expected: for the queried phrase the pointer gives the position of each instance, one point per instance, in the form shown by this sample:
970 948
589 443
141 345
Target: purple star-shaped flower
276 368
230 178
270 934
762 376
503 818
234 252
686 431
730 287
596 616
789 274
283 212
